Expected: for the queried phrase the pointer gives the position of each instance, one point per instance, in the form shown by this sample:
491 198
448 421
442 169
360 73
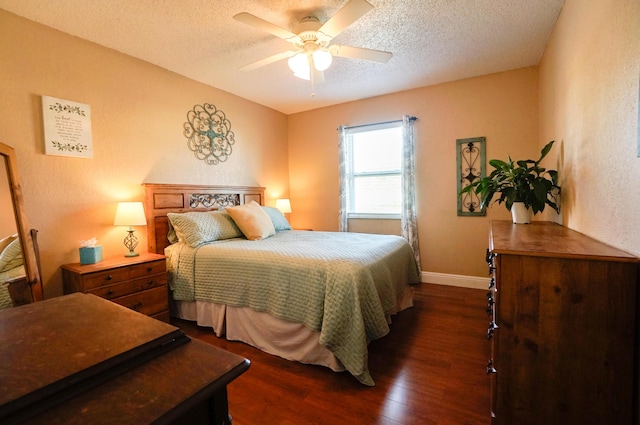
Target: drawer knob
110 292
150 283
108 277
490 368
136 306
489 257
149 269
492 327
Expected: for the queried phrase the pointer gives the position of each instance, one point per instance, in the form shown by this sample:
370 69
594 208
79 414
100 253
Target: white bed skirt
291 341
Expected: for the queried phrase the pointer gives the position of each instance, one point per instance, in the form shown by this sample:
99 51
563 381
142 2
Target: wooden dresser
562 310
139 283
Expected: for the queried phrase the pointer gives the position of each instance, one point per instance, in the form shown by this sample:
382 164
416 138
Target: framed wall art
67 128
470 160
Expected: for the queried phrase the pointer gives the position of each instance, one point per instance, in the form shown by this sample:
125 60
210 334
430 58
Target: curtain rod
377 123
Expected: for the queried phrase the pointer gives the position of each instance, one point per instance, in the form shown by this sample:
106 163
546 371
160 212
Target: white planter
520 214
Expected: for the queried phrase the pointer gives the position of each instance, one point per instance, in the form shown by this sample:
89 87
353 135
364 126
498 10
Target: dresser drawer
107 277
128 287
147 269
147 302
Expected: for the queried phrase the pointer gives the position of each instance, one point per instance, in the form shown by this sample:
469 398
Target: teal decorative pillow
11 256
279 220
197 228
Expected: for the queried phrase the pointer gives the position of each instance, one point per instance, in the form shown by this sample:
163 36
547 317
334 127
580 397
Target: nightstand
138 283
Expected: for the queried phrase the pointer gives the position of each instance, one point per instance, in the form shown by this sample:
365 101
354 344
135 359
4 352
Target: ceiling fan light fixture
299 64
322 60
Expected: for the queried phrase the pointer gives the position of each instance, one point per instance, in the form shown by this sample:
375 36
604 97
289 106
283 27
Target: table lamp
284 205
130 214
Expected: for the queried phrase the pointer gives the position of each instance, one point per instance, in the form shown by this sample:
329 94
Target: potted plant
522 185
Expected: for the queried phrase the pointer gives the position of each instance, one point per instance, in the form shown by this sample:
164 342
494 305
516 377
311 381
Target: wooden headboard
161 199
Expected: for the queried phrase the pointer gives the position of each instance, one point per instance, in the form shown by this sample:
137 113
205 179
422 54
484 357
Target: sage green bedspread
343 285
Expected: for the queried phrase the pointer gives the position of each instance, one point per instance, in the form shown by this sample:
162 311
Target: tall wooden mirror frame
32 271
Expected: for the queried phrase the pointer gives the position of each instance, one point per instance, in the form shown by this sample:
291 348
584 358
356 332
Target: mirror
20 281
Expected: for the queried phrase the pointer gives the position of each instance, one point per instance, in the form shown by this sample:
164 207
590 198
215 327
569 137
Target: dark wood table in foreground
187 385
80 359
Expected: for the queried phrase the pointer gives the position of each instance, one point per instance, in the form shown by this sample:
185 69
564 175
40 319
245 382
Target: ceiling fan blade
360 53
346 16
254 21
268 60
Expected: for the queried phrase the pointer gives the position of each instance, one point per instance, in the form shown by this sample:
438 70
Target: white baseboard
473 282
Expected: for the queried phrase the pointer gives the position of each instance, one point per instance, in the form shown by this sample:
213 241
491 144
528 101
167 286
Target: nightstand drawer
128 287
147 302
108 277
147 269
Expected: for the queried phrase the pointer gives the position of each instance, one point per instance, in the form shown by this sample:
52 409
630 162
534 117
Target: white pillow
252 220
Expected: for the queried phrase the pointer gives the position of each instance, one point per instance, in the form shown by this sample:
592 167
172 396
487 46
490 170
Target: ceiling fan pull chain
312 75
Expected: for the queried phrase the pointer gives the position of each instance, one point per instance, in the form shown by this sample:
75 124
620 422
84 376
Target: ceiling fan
312 54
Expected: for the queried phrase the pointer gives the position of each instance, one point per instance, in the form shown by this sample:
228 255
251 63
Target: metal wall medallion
470 157
209 134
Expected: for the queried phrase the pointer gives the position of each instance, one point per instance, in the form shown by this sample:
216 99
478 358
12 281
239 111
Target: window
373 170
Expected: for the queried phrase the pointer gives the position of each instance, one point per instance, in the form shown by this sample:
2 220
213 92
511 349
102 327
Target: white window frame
350 174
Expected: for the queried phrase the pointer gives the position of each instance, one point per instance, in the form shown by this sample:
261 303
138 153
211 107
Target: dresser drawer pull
490 368
492 326
110 292
108 277
492 283
150 283
136 306
149 269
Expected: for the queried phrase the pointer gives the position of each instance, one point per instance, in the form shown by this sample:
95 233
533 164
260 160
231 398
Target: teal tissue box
90 255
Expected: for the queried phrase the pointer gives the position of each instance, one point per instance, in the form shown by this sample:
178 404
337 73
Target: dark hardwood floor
429 370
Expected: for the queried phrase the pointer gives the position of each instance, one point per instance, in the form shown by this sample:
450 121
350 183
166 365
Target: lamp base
131 242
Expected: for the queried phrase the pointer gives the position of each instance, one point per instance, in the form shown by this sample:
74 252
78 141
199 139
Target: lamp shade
283 205
130 214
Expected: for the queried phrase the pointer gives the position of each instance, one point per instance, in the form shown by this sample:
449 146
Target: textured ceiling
432 41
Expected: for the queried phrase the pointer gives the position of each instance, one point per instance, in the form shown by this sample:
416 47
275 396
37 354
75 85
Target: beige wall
502 107
137 115
589 102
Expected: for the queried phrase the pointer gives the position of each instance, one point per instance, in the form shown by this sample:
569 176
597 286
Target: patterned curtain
343 223
409 220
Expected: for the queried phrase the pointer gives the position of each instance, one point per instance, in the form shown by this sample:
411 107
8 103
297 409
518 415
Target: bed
308 296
